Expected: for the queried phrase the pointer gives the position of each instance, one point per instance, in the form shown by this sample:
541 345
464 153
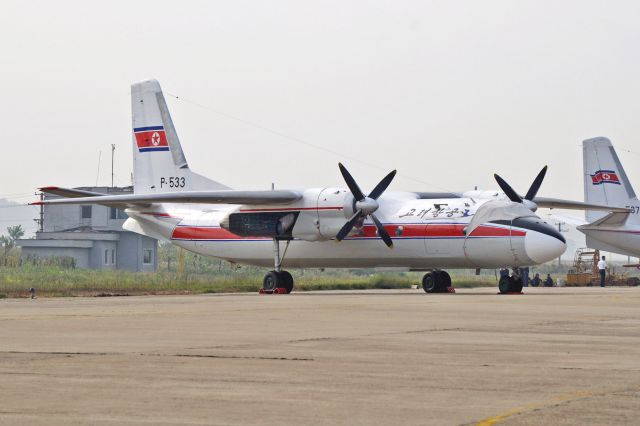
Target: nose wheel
436 282
511 284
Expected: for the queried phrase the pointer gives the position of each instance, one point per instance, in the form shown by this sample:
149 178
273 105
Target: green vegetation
58 281
189 273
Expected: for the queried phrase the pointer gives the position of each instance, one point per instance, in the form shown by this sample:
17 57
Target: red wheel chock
451 290
278 290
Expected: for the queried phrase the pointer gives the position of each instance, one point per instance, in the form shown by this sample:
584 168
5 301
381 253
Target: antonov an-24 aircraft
322 227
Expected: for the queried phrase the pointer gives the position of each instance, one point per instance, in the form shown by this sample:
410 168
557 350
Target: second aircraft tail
605 181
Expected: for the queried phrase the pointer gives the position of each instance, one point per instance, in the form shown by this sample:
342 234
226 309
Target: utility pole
560 223
40 221
113 150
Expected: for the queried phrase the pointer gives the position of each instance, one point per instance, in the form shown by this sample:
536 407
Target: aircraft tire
271 281
287 281
444 281
504 285
515 285
429 283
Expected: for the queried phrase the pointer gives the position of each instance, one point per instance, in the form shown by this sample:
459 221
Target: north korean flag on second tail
151 138
605 176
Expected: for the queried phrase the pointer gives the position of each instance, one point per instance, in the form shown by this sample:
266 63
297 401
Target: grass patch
52 281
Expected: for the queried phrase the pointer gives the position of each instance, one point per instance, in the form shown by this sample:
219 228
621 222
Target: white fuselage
427 233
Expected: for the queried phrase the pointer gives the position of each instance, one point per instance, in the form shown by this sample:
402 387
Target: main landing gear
436 282
278 280
511 284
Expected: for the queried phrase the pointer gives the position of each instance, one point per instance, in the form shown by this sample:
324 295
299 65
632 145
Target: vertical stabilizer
605 181
159 164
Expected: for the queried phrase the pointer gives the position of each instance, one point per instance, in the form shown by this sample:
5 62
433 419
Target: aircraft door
442 240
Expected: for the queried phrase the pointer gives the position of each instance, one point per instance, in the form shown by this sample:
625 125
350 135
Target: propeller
365 206
531 193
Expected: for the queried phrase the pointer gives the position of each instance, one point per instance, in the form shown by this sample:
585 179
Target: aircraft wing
185 197
557 203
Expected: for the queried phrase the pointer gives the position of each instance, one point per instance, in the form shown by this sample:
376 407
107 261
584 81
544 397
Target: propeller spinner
531 193
365 206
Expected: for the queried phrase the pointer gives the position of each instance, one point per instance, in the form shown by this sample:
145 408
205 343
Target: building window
148 257
106 257
117 214
113 256
85 212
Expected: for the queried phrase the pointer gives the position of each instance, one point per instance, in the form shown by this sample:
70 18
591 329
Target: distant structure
92 235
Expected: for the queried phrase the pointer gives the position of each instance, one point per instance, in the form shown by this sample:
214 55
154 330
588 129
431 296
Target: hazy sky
447 92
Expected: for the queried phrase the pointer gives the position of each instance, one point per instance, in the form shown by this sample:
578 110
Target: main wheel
429 283
271 281
504 285
287 281
444 280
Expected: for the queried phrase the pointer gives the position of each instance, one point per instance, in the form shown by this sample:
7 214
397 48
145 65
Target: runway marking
573 396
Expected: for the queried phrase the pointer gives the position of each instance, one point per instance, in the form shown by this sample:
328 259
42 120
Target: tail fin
159 165
605 181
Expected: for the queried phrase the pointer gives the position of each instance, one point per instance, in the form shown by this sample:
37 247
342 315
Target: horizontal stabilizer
69 193
187 197
557 203
611 220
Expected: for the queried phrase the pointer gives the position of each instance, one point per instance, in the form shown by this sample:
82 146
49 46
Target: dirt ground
568 356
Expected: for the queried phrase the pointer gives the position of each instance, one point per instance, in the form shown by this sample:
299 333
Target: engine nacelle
318 216
322 221
261 224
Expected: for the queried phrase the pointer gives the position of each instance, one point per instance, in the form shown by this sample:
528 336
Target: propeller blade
348 226
351 183
382 232
382 186
535 186
508 190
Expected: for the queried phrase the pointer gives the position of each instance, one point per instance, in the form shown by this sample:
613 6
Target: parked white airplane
605 182
300 228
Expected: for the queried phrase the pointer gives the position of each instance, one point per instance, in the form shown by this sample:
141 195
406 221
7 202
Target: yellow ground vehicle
585 271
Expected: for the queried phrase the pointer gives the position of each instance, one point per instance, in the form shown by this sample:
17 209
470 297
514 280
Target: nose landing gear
511 284
436 282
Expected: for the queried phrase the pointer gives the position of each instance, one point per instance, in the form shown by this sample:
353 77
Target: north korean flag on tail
605 176
151 138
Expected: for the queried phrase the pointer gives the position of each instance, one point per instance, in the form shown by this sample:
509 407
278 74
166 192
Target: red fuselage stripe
368 231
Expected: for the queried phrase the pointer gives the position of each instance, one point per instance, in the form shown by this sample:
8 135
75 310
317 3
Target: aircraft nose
542 242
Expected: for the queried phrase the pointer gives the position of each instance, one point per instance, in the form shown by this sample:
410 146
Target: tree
15 233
